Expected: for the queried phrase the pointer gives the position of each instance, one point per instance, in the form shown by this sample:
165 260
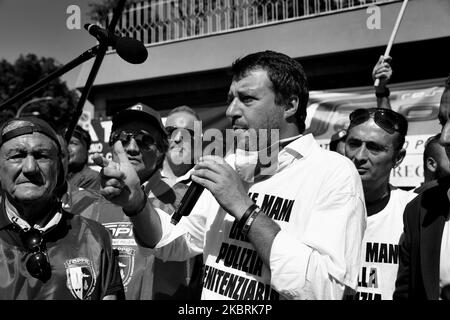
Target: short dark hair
286 74
186 109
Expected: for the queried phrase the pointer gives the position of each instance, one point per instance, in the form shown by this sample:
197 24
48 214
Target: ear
399 157
291 107
431 164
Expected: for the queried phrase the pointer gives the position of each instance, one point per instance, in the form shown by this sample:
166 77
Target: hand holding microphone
214 174
129 49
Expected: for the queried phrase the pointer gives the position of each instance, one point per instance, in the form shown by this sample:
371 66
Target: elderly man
46 252
375 139
288 228
180 157
424 270
79 174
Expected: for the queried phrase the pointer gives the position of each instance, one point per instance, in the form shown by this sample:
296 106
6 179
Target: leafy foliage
26 71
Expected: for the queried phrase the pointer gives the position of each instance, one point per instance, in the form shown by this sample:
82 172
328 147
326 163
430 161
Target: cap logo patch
137 107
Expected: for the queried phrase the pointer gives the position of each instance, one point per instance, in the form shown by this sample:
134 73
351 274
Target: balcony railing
169 20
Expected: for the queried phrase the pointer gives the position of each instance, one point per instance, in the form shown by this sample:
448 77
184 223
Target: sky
40 27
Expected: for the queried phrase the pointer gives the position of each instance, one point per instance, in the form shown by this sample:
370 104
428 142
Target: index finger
120 152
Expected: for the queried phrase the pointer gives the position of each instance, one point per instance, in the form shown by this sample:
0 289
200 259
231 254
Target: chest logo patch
80 277
126 264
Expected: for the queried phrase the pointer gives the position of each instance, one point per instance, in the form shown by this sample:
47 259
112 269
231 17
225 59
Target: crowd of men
280 217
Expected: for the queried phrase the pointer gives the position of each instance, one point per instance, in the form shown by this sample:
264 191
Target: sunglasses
144 140
171 130
388 120
37 264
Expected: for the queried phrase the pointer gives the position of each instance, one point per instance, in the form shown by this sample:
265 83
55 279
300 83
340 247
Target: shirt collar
300 146
185 178
13 216
4 221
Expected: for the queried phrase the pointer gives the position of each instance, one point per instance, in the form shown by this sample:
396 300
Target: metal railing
156 21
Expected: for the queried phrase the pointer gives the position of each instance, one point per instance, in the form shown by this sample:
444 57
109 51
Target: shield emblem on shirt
126 264
80 277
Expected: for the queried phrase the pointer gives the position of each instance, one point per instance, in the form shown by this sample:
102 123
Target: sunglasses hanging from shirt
37 261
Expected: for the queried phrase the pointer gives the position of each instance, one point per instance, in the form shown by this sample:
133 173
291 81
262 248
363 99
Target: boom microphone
188 202
129 49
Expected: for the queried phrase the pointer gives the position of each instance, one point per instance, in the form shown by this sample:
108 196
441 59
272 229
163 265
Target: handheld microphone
188 202
129 49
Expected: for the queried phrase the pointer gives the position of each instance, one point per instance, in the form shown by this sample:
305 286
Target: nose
233 110
29 165
362 154
445 135
177 136
131 147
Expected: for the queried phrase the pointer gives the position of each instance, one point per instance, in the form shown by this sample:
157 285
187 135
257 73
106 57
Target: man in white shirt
288 228
375 139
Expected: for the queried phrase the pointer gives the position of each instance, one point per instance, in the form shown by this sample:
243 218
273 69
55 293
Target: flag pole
393 34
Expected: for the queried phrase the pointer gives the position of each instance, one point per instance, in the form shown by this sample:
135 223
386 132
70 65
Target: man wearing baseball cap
144 139
80 174
45 251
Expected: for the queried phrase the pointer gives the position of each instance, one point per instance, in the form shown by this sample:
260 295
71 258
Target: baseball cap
336 137
339 135
34 125
138 111
83 135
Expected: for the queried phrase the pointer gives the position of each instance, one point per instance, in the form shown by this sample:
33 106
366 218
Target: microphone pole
94 70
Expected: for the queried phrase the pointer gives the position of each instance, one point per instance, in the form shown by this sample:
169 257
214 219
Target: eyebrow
368 142
37 148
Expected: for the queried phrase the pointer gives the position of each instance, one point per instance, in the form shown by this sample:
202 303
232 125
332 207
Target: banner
329 112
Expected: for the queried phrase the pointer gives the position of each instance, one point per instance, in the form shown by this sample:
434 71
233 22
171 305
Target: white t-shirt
380 251
317 200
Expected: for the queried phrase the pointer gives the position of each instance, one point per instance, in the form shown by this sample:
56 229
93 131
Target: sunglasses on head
171 130
388 120
144 140
37 264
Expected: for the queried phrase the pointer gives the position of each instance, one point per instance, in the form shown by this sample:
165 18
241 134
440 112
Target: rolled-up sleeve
325 260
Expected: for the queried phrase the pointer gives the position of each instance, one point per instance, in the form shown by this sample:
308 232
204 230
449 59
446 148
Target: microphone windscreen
131 50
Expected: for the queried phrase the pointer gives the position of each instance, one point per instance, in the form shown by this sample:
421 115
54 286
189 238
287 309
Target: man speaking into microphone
288 229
